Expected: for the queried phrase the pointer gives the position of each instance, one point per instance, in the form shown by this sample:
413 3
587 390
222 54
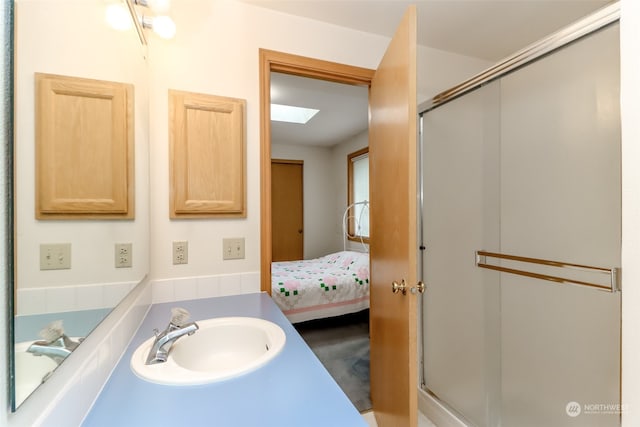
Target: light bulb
164 27
159 6
118 17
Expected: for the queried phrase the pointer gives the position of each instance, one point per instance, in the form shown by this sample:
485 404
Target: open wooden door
394 242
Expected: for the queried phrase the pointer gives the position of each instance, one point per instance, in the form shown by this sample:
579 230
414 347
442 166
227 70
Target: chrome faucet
58 349
54 344
164 340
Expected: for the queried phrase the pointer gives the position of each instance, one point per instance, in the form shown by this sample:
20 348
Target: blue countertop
292 390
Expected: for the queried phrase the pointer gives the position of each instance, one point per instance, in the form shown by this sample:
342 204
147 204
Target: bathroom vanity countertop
293 389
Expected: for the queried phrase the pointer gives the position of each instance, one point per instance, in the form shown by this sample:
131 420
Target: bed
331 285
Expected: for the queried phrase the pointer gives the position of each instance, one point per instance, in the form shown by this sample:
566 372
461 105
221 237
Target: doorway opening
272 61
336 324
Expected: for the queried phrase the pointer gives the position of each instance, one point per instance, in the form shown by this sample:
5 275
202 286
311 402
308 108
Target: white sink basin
30 370
222 348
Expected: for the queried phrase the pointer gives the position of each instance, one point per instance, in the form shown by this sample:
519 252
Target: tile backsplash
57 299
188 288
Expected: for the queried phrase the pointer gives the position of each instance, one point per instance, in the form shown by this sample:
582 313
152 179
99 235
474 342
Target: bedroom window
358 191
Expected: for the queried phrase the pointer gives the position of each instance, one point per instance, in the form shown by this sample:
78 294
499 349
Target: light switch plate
233 248
55 256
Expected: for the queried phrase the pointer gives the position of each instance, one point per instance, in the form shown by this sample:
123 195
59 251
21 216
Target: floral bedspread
333 280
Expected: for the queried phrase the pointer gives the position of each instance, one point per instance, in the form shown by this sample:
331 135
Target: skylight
291 114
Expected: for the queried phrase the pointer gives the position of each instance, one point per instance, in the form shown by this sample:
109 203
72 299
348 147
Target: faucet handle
179 316
52 332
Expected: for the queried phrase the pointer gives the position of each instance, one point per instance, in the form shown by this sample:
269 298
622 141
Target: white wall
439 70
630 110
318 195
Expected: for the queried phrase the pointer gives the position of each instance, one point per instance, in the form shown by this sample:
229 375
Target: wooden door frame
303 67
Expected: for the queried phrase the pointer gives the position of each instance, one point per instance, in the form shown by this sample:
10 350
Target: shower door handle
399 287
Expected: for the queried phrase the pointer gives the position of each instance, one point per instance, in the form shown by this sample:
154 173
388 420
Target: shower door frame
590 24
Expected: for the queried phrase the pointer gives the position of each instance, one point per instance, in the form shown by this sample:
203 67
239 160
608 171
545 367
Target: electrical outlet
55 256
233 248
180 253
123 255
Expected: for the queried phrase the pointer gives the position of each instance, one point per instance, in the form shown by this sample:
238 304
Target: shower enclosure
521 197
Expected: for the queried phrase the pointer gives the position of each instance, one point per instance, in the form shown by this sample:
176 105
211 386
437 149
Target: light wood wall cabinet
84 148
207 155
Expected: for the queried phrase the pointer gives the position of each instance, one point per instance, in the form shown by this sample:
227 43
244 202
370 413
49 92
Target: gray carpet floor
342 345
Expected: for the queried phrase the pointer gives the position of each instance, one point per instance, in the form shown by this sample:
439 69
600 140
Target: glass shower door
561 200
461 212
528 165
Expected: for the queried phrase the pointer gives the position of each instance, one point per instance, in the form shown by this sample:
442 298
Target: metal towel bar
612 272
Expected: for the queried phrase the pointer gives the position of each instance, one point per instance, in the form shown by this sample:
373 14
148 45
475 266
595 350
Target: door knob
399 287
418 289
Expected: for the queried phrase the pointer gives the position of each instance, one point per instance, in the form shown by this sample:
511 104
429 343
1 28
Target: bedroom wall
339 154
325 187
319 199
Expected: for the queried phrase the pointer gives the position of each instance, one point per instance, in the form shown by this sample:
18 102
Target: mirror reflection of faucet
54 344
178 327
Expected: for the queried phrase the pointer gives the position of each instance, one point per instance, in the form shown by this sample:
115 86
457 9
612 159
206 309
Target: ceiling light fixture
163 26
118 18
291 114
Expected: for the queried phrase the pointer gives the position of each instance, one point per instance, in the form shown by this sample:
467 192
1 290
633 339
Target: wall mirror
71 38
